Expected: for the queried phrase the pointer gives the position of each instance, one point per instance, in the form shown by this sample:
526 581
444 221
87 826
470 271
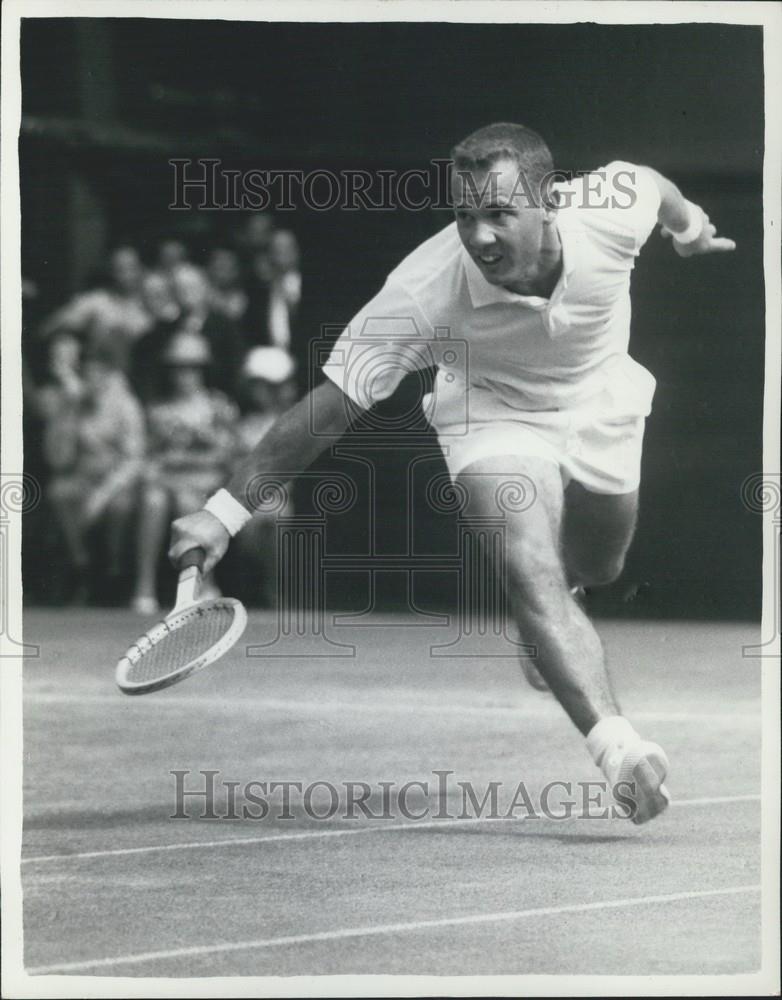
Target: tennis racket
194 635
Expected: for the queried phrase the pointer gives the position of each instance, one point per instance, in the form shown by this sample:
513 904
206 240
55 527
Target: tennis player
534 276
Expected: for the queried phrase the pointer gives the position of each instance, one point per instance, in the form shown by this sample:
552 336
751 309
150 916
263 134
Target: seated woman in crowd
113 316
191 435
93 444
180 334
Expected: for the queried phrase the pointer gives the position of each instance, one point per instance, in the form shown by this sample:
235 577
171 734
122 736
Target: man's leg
597 532
569 653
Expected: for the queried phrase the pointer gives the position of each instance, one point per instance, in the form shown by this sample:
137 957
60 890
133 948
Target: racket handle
193 557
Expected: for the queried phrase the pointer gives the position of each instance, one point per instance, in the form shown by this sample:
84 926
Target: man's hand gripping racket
196 633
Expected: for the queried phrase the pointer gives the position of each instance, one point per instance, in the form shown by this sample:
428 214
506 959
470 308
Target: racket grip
193 557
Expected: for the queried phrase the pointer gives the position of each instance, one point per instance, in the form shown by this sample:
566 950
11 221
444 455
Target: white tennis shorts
597 442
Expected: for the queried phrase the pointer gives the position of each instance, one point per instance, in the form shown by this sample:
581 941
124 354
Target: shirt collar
483 293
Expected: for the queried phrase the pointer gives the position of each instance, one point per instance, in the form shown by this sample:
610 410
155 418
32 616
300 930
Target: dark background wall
107 102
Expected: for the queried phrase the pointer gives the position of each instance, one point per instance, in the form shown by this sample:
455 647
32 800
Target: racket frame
185 607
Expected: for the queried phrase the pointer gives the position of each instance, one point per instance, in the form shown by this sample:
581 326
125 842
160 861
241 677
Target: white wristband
228 511
694 228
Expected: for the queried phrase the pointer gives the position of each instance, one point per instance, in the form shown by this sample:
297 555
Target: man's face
258 231
190 288
224 268
284 251
171 254
498 222
126 269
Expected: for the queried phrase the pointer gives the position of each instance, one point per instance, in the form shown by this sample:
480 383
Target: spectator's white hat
187 349
273 364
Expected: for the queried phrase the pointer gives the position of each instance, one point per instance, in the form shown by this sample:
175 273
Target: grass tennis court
114 886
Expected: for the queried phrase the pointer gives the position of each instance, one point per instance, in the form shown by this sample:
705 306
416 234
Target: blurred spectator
275 292
254 236
146 366
226 297
284 254
181 333
159 298
112 317
61 379
190 291
285 287
268 390
192 441
94 445
170 254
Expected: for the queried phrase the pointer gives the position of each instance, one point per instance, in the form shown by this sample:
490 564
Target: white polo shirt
501 352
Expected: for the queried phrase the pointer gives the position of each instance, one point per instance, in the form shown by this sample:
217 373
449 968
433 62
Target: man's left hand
707 242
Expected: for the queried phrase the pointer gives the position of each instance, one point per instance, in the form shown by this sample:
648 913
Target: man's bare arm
677 216
295 440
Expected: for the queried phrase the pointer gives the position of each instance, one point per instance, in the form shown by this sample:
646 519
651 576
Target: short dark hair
505 141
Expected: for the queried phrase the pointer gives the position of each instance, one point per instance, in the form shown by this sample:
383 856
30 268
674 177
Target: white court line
538 708
318 834
378 929
715 800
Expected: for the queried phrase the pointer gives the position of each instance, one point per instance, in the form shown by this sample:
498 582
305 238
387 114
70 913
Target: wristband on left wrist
694 228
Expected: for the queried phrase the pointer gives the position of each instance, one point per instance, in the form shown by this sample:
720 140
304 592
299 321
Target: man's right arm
292 444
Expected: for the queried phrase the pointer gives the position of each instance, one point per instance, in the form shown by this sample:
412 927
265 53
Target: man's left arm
686 224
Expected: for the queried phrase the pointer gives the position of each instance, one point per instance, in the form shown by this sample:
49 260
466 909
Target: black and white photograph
390 507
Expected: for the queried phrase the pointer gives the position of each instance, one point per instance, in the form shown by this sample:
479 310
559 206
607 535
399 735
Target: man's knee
598 531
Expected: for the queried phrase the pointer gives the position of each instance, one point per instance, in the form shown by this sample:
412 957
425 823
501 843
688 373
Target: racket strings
193 635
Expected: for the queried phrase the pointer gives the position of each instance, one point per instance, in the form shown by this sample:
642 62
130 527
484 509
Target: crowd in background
141 392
